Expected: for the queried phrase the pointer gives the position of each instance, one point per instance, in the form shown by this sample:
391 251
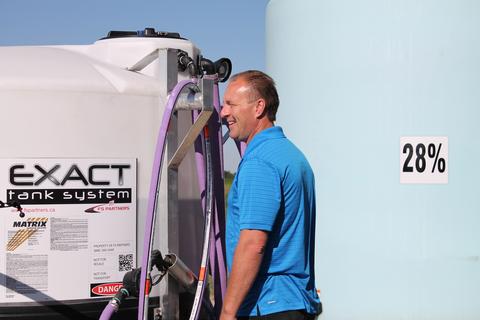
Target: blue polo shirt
274 191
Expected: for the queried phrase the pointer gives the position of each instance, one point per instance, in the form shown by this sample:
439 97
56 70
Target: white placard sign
78 235
424 160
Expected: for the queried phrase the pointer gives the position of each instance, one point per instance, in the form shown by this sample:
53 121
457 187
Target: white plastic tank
382 97
74 118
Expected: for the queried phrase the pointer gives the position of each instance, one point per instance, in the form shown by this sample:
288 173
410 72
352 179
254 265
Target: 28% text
417 157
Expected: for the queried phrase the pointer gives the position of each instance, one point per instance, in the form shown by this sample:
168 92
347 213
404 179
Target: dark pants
284 315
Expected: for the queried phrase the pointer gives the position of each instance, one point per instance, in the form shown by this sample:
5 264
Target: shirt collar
274 132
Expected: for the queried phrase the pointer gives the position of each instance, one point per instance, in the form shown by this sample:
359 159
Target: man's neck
262 125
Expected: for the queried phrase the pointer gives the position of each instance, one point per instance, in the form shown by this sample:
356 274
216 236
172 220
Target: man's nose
224 111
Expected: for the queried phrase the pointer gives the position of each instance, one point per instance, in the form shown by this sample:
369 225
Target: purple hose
152 198
108 312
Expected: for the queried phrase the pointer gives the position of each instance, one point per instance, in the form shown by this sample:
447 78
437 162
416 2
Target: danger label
104 289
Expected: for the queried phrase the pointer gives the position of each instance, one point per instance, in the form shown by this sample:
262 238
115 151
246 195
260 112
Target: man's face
239 110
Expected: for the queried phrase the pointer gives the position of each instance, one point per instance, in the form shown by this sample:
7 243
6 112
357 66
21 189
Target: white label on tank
424 160
78 235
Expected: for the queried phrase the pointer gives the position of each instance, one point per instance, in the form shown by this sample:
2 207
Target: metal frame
195 98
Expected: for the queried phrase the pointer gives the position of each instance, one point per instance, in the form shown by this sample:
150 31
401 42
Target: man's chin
237 137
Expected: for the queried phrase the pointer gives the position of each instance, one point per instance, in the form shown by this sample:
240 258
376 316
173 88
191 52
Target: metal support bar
189 101
145 61
226 136
170 303
202 100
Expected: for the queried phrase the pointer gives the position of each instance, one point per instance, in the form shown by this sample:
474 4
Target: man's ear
260 108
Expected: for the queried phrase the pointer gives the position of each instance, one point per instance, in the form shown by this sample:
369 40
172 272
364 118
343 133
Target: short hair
263 87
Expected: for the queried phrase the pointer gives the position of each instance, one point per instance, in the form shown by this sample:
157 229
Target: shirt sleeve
259 194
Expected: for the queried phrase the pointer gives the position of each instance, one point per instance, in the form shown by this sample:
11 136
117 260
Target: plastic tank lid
146 33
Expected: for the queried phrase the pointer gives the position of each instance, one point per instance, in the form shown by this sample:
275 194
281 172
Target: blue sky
233 29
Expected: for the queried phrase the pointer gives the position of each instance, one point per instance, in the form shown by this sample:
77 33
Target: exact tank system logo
104 289
101 182
28 229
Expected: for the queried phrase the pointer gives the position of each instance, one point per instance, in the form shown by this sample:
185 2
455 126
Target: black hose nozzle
185 62
131 282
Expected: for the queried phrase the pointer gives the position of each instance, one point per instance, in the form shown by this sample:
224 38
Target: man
271 211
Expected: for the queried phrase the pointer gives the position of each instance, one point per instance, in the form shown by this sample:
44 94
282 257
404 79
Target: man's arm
246 263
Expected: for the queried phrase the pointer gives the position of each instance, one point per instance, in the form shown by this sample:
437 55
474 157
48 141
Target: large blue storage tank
384 99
